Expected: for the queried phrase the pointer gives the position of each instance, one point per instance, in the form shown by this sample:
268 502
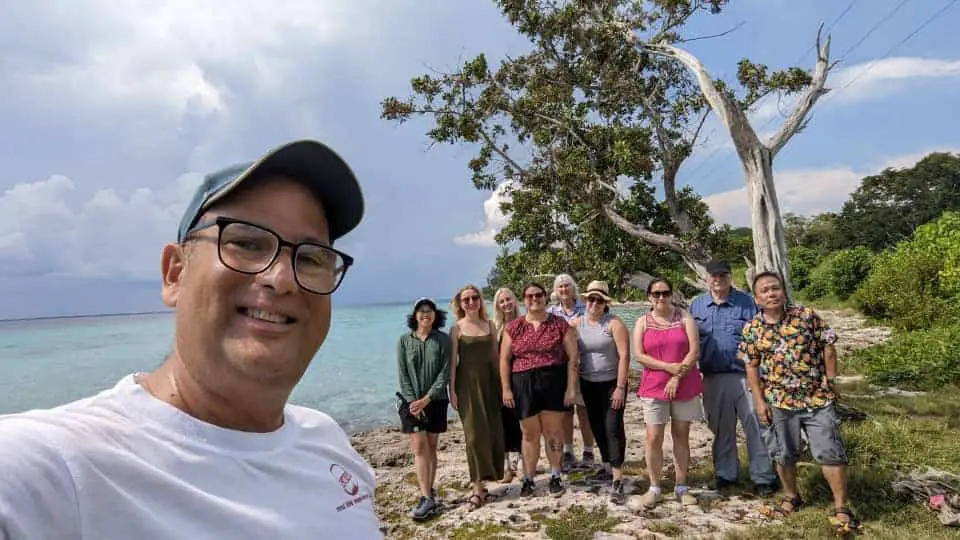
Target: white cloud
107 236
494 219
808 191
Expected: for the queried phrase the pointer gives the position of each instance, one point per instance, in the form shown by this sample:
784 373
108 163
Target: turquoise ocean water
48 362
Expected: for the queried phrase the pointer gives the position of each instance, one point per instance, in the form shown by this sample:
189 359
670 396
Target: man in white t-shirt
206 446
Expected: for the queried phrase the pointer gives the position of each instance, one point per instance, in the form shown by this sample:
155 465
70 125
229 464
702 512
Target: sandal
475 501
780 510
844 526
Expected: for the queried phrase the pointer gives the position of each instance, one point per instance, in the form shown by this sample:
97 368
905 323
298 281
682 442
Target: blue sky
111 114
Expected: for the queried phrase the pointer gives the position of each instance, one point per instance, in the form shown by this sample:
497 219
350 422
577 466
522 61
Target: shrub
917 285
802 261
848 268
921 360
839 273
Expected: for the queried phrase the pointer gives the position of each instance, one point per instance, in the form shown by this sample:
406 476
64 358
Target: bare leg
422 461
788 477
654 452
836 476
568 428
532 431
680 431
553 430
432 440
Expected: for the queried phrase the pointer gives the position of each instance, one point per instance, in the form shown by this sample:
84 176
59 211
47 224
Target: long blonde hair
500 319
458 310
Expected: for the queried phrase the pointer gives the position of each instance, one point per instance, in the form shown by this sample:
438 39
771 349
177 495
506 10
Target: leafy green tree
888 207
586 111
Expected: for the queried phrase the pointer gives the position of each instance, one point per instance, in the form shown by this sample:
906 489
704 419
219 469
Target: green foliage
914 286
839 273
888 207
803 260
921 360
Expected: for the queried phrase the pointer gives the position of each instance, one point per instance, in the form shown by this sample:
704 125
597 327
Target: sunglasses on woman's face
534 296
469 299
660 294
595 300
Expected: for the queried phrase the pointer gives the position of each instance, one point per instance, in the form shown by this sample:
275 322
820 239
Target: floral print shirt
789 355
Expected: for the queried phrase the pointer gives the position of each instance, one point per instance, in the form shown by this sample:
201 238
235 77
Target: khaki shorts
658 411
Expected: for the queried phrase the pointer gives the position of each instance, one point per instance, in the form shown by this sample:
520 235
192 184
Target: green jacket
424 366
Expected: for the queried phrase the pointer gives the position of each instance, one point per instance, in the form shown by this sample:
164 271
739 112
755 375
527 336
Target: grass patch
900 435
491 531
666 528
577 523
920 360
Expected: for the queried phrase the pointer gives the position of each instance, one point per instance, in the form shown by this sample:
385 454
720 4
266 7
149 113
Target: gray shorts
821 427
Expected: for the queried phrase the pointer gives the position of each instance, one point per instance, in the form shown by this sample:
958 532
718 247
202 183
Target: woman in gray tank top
604 345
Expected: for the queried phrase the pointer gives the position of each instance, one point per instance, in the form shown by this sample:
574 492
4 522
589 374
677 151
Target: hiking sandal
780 510
844 526
474 502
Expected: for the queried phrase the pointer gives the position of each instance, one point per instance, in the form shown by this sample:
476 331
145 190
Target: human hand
570 397
618 398
764 414
673 369
416 406
508 400
670 390
454 402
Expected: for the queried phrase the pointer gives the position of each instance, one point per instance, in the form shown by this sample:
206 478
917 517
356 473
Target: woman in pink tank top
667 343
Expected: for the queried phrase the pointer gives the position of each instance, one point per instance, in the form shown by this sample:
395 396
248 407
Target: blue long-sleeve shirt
720 328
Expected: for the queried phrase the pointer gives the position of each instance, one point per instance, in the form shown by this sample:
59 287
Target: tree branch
798 118
666 241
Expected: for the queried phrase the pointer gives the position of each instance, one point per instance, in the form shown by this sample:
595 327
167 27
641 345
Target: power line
885 18
909 36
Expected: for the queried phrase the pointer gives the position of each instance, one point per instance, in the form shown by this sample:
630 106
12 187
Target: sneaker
651 498
588 461
556 486
764 490
721 484
526 490
425 510
568 462
687 499
616 496
602 477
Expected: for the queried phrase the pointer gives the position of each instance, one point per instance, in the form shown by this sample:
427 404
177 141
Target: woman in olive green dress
475 380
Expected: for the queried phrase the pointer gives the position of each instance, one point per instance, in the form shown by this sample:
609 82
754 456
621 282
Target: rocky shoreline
508 516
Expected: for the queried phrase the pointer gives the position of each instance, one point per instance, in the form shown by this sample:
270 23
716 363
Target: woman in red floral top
539 382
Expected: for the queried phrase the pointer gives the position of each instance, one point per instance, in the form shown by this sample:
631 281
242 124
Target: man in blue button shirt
721 314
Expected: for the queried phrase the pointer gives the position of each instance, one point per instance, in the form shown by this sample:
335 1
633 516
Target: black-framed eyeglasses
249 248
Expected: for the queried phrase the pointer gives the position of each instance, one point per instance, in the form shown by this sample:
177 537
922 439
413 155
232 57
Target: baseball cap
310 162
717 266
422 301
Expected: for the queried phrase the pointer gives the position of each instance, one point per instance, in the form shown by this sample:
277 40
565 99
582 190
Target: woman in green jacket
423 365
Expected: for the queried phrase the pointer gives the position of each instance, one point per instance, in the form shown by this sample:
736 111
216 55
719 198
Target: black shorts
538 390
433 419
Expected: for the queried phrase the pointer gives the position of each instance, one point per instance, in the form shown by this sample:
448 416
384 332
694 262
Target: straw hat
598 288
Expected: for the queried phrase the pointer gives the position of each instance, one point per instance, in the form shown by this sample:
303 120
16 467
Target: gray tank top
598 352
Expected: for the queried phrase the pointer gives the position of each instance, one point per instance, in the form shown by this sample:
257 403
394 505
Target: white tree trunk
769 239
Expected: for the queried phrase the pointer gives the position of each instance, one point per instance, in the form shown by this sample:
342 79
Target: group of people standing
517 379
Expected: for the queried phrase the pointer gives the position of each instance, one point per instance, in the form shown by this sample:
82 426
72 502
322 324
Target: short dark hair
438 322
654 281
533 284
766 273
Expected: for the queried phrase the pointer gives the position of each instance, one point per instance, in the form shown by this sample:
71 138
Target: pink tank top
667 343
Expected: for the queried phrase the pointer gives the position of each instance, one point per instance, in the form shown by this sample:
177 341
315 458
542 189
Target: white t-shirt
123 464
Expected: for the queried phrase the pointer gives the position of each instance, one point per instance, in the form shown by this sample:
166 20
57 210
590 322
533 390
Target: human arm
403 372
826 337
38 498
748 354
573 365
622 340
454 362
439 386
506 370
645 359
693 338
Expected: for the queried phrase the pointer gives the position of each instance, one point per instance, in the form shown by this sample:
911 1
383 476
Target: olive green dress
479 401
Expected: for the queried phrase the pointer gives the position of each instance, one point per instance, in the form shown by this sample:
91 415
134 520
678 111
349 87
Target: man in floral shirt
791 364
